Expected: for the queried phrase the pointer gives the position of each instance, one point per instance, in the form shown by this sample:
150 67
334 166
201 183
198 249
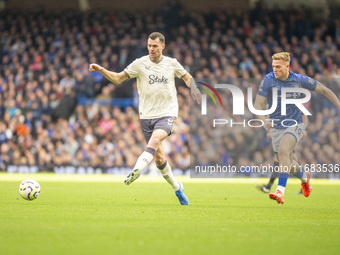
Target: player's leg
165 169
286 147
304 177
147 156
298 172
298 132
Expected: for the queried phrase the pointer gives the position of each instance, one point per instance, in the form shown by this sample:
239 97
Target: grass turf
100 215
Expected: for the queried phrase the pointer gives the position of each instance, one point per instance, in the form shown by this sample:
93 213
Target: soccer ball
29 189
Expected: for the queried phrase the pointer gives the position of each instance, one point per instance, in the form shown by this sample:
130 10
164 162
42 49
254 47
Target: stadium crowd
44 75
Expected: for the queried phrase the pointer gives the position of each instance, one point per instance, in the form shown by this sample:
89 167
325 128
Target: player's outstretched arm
190 82
115 78
323 90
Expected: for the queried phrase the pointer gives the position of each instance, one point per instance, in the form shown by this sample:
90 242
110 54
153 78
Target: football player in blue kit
286 129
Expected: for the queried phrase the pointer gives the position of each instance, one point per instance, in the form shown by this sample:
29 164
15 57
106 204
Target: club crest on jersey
156 79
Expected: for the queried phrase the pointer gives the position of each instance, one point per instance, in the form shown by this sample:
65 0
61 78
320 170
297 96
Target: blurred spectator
66 106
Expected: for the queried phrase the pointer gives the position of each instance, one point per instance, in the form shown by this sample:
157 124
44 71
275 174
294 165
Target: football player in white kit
158 105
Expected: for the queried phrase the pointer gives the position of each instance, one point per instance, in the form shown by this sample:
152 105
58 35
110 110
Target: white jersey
156 86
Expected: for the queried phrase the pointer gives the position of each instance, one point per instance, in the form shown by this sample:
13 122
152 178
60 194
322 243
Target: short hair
284 56
155 35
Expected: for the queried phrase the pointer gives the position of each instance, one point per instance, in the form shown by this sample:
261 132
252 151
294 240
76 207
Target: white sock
169 177
144 159
281 188
304 177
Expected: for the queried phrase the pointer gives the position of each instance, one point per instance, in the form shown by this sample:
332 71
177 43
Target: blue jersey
293 81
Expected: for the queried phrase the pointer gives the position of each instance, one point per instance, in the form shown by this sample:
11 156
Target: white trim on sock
304 177
169 177
281 188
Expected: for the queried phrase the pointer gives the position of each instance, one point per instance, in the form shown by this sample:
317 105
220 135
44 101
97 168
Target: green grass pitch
98 214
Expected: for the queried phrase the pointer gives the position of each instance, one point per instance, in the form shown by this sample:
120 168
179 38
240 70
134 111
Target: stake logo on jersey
156 79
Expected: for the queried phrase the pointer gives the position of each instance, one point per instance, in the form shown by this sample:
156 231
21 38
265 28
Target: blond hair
284 56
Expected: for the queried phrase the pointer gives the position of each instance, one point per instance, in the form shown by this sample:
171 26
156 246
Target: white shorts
277 134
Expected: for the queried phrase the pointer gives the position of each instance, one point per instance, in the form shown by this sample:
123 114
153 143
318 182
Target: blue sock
299 174
283 177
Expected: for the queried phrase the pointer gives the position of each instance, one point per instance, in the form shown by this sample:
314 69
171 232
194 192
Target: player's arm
323 90
260 104
190 82
115 78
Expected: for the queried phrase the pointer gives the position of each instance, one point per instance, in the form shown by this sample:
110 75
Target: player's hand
95 67
196 94
269 125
